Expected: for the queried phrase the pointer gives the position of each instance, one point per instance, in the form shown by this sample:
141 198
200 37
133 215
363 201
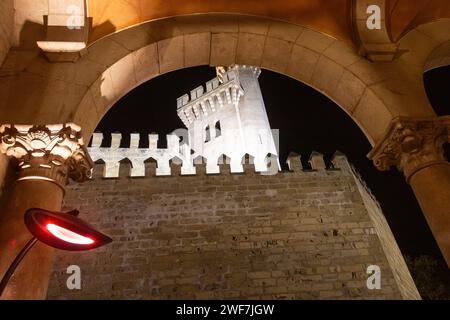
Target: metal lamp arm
15 263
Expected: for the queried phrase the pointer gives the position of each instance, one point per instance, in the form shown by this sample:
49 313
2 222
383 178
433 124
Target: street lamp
61 230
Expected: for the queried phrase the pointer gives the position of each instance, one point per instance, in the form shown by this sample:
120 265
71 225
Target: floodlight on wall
61 230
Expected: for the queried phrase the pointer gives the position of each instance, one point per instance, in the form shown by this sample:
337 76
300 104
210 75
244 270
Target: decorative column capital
47 152
412 144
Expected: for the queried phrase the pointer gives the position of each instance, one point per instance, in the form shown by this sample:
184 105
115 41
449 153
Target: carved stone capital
47 152
412 144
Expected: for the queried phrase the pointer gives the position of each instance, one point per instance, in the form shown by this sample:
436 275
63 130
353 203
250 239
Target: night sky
307 121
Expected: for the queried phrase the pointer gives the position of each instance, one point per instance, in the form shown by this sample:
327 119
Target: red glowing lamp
59 230
63 230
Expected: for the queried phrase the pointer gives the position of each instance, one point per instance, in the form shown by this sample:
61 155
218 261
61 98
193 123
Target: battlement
179 159
113 155
200 103
244 68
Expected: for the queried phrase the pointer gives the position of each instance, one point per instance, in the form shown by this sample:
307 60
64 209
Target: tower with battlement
229 118
225 120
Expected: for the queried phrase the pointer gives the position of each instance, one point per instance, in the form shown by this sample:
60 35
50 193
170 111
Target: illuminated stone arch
371 93
423 48
143 52
438 52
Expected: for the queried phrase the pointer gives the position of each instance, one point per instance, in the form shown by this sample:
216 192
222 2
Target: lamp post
59 230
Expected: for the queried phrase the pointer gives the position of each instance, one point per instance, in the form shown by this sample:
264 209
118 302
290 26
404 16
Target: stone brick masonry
294 235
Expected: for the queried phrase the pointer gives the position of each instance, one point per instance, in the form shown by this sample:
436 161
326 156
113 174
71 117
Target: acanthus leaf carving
55 152
412 144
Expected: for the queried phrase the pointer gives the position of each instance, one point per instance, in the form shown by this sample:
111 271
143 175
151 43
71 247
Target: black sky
307 121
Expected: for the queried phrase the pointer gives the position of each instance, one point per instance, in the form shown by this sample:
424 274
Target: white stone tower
229 119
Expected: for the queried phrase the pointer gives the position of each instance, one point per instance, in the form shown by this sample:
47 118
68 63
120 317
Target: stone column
415 146
4 161
46 157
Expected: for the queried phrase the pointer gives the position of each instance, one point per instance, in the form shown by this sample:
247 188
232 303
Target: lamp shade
63 230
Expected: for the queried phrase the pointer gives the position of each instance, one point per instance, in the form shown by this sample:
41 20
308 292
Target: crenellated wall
175 152
294 235
113 155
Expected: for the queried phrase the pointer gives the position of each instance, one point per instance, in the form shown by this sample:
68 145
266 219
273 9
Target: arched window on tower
218 129
207 134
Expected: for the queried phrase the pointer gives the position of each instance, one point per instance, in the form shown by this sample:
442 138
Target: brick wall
294 235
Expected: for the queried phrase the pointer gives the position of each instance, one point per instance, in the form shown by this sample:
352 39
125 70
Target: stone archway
440 57
434 51
324 63
371 93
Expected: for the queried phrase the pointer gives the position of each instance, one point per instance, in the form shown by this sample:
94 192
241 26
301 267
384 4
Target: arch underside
372 94
440 57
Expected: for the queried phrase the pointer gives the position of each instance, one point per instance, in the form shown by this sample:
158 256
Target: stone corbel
374 43
67 30
412 144
47 152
